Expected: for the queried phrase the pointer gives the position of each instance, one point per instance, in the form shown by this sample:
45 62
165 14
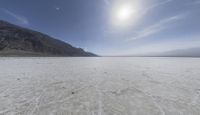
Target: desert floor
100 86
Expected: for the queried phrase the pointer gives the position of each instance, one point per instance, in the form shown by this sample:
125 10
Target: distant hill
18 41
191 52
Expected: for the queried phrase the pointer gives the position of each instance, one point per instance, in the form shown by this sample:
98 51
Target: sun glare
124 13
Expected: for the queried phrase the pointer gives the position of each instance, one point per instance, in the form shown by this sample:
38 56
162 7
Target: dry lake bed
100 86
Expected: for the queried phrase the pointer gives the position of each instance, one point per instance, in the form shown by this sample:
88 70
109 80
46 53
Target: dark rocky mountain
18 41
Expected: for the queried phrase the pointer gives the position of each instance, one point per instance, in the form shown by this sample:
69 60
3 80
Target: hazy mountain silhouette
190 52
18 41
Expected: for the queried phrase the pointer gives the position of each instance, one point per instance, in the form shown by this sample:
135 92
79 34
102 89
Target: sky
111 27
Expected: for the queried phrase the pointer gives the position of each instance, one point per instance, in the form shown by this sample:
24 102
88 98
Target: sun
124 13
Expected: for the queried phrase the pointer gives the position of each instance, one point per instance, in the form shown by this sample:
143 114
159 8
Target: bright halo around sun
125 12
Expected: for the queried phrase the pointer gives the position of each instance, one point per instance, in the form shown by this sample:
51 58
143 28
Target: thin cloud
163 46
58 8
143 11
196 2
153 6
156 28
159 4
21 19
107 2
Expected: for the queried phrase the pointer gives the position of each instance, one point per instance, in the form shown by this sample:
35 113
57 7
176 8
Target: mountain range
187 52
190 52
19 41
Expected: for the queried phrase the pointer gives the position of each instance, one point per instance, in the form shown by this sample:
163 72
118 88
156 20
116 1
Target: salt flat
100 86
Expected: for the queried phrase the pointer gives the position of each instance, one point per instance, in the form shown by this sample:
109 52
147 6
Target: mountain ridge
185 52
19 41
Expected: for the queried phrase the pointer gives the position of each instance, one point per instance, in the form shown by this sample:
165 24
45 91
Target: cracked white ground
99 86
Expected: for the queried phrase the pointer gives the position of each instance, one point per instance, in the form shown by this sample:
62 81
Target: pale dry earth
100 86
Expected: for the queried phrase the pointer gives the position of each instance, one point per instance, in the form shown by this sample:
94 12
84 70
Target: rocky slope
18 41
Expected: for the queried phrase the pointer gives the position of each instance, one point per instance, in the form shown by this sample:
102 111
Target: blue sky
111 27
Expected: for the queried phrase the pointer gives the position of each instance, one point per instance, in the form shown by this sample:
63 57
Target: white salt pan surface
99 86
